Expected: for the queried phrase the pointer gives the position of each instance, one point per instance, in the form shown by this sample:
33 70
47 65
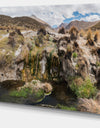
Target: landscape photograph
50 56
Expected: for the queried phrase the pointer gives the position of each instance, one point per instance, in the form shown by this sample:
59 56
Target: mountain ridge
24 21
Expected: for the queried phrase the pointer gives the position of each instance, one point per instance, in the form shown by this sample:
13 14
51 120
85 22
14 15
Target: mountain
63 25
81 24
96 26
25 21
39 20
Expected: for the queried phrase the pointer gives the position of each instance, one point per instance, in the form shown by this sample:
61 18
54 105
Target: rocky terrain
41 62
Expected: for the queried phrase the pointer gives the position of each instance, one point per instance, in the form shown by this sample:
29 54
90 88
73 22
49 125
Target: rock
23 55
90 105
83 68
12 60
31 93
47 87
98 76
36 85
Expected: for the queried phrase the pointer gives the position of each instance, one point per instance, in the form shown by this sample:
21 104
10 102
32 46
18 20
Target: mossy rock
27 94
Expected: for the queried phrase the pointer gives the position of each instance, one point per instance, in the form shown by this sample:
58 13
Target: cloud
55 15
91 18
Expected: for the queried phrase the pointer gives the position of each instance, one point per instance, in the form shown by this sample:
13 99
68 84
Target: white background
16 116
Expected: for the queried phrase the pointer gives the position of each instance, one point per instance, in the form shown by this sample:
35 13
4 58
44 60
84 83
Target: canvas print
50 56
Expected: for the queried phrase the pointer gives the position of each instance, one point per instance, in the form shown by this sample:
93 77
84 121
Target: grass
66 108
84 90
3 43
3 32
89 34
74 55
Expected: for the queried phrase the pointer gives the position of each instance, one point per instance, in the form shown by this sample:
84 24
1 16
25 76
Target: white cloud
58 12
91 18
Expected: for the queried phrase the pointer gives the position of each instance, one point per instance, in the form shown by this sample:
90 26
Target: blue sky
55 15
79 16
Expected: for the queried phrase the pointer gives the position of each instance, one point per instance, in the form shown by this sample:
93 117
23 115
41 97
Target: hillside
39 20
24 21
96 26
80 24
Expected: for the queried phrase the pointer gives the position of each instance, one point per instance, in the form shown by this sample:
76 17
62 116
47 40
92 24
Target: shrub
62 30
96 37
89 33
74 55
82 33
47 37
41 31
39 40
84 90
18 32
90 42
73 33
98 64
41 37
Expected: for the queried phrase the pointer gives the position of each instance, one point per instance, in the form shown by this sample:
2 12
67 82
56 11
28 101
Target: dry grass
74 33
89 105
62 30
89 34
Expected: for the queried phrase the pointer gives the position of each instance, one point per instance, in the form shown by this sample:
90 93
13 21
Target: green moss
39 93
74 55
66 108
86 90
22 93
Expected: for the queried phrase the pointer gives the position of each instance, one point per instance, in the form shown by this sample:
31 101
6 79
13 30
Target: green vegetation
66 108
34 82
24 92
74 55
76 66
47 37
39 93
98 64
85 90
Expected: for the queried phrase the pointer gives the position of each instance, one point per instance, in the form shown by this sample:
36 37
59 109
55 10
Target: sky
55 15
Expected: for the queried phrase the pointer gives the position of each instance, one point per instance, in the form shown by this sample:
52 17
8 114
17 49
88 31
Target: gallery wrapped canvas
50 56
